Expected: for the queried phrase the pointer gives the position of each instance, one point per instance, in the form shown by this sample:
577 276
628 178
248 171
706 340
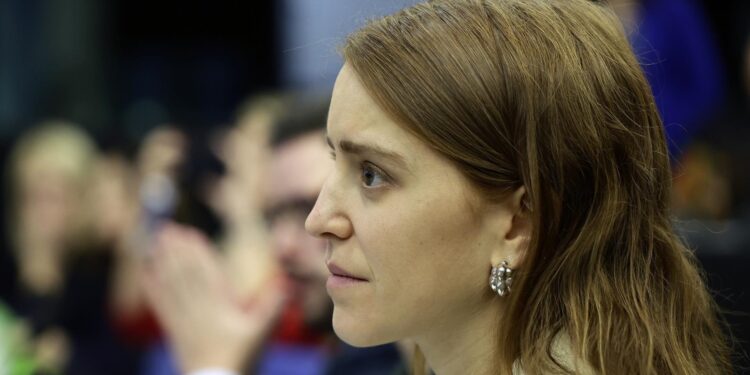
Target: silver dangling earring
501 279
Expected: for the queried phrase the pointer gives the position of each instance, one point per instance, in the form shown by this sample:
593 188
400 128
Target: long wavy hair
548 95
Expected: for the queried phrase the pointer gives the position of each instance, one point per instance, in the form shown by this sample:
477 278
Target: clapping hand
206 324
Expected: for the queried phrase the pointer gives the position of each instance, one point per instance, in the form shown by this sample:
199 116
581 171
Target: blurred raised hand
238 197
206 323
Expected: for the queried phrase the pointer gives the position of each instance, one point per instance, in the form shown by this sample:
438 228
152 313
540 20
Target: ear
513 220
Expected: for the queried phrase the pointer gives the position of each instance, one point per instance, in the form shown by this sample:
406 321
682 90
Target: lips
340 272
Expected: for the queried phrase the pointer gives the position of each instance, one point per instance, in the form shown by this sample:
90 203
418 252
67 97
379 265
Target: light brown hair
548 95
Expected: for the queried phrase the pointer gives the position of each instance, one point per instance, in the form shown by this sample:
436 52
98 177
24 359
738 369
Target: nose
328 219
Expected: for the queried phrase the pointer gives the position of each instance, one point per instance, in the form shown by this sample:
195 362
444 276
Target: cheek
427 255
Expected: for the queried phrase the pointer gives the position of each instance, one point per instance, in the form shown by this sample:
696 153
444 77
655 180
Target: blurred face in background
48 202
50 174
298 169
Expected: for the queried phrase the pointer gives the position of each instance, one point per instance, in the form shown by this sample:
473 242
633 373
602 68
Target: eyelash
368 166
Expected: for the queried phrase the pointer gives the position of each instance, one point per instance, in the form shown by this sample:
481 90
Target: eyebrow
359 149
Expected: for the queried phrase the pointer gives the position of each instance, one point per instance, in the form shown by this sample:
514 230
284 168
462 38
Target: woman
61 251
515 142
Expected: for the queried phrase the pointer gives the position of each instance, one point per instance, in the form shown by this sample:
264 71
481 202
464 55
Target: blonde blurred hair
57 147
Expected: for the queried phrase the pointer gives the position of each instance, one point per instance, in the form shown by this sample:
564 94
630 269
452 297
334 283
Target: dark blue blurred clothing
676 48
346 360
299 359
377 360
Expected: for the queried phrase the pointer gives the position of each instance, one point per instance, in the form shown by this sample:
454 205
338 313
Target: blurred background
100 100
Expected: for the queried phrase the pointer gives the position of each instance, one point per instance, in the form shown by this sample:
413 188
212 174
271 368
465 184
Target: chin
358 332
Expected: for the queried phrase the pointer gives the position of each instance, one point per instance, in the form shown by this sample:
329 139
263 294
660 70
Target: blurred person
63 271
298 166
711 184
155 189
48 168
237 195
711 202
167 183
152 196
234 194
206 321
677 50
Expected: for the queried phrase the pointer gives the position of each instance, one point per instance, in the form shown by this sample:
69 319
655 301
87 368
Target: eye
372 176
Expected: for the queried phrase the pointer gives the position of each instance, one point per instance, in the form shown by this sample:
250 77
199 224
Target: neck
467 345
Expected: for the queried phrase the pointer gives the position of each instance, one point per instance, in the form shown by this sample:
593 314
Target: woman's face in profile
408 244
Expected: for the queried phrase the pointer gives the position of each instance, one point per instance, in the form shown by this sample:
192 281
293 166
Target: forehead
355 116
298 168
